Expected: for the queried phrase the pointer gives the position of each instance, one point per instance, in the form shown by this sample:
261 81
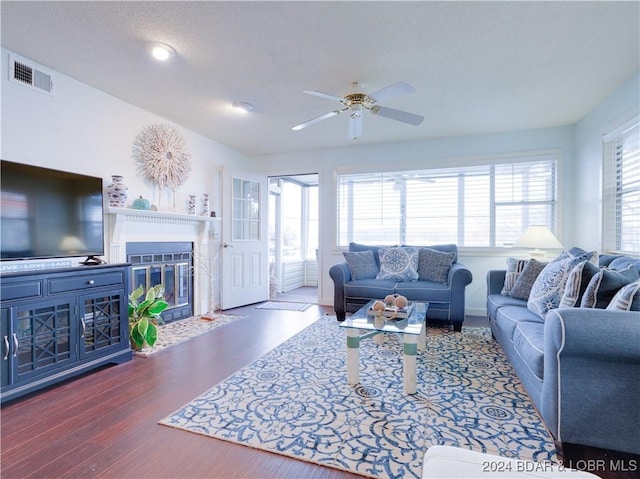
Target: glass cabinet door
100 326
5 346
43 338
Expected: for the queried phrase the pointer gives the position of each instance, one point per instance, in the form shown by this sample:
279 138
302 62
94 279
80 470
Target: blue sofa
446 300
580 366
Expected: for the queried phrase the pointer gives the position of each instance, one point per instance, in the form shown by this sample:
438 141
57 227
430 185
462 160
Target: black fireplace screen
167 263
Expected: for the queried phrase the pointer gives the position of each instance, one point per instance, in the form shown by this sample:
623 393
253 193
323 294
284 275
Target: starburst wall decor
161 157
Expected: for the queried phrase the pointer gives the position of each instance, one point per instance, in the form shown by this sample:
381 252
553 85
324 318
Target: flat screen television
48 213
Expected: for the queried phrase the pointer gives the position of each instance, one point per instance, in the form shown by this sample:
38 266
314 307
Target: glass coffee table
413 334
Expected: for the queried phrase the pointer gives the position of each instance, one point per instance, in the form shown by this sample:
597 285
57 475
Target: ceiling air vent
27 74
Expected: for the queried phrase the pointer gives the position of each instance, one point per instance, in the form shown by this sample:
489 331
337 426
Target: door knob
227 245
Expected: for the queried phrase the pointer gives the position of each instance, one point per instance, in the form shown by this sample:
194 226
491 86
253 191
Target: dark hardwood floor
105 424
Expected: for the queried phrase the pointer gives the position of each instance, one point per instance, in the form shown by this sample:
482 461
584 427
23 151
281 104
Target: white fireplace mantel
125 225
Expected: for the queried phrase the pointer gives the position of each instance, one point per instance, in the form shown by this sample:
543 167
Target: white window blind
476 206
621 189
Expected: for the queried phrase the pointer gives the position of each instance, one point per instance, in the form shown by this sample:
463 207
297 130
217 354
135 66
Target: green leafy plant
144 316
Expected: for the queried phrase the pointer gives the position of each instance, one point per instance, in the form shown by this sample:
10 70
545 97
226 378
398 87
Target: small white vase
205 205
117 192
191 205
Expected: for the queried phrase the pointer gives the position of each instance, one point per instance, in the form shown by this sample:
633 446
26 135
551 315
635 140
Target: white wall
421 154
87 131
621 106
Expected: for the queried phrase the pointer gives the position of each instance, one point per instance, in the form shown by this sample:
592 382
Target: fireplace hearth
167 263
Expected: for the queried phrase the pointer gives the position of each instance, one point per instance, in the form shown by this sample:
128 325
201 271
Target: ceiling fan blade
397 89
316 120
326 96
399 115
355 126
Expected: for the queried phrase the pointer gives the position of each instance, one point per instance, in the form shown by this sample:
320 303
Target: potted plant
144 316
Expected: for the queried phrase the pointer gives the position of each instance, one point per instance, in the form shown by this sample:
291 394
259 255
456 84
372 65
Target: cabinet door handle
91 281
84 328
15 345
6 348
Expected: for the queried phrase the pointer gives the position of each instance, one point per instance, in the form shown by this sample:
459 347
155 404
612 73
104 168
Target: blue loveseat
580 366
446 299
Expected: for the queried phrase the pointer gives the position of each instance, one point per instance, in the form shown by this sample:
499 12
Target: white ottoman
454 462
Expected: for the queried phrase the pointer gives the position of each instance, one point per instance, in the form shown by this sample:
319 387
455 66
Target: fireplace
198 242
167 263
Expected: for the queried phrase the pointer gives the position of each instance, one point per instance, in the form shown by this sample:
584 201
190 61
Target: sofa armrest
592 377
495 281
459 276
340 274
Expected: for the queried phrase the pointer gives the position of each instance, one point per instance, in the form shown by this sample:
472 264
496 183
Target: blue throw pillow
522 287
362 264
434 265
515 266
627 298
399 264
605 284
548 289
577 284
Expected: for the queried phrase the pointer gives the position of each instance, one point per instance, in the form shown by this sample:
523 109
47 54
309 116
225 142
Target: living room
90 128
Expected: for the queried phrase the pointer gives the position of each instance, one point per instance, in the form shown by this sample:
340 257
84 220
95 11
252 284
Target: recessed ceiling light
161 51
242 106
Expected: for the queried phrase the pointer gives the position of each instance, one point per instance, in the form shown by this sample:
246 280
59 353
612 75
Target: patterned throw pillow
514 269
605 284
362 264
548 289
522 287
434 265
627 298
399 264
577 284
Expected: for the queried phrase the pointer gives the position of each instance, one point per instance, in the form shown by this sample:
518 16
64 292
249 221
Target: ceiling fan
356 103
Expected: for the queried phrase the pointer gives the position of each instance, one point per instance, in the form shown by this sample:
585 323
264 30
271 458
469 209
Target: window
475 206
621 189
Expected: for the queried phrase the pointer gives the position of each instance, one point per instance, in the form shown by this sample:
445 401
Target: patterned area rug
180 331
284 306
295 401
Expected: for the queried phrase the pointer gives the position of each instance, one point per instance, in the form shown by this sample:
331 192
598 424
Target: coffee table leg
409 373
353 356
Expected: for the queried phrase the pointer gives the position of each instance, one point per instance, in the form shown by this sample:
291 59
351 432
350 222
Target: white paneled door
245 260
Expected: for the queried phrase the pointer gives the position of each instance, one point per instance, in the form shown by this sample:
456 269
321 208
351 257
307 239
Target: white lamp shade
539 237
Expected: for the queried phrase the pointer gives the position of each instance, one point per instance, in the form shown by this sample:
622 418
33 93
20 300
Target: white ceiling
478 67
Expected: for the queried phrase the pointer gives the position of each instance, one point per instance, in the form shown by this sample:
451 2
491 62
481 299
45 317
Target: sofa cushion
623 262
424 291
369 288
577 284
528 342
548 289
362 264
605 284
434 265
497 301
627 298
398 263
522 287
508 317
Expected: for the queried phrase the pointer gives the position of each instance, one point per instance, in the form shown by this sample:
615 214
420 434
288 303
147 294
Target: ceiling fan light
160 51
242 107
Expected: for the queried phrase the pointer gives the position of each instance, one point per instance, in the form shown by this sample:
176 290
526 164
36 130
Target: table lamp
539 238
